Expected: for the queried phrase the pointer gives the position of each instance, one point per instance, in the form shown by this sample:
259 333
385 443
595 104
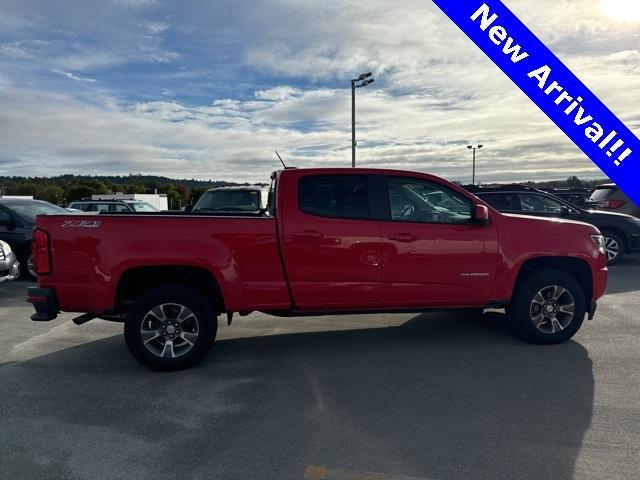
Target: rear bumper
45 303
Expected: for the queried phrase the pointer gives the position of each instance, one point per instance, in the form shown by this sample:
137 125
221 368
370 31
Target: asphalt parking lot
433 396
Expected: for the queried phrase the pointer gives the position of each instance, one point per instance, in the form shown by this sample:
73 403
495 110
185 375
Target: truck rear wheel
549 307
171 327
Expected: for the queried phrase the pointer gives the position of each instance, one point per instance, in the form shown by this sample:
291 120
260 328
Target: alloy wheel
611 248
552 309
169 330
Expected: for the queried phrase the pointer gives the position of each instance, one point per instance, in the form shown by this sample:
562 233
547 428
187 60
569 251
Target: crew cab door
331 240
434 253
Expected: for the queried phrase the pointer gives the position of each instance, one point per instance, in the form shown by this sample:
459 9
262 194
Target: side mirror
564 210
188 208
482 216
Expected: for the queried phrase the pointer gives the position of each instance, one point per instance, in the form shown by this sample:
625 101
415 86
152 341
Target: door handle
403 237
308 234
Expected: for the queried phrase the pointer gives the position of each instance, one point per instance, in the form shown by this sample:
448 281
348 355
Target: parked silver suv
610 197
9 265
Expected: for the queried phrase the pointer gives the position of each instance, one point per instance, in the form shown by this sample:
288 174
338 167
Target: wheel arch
578 268
135 281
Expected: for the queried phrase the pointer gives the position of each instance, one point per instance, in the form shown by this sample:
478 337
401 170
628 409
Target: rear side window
80 206
5 218
602 193
530 202
339 196
119 208
500 201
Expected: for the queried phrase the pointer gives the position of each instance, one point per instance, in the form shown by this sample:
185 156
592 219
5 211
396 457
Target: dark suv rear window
339 196
602 193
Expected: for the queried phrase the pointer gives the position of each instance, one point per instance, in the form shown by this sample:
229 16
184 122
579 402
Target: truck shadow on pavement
441 396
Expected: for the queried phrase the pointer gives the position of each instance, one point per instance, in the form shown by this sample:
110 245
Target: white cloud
284 68
76 78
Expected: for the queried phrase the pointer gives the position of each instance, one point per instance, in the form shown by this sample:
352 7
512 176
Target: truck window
118 207
416 200
338 196
80 206
238 200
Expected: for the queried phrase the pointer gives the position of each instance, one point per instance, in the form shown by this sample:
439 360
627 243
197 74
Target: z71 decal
81 223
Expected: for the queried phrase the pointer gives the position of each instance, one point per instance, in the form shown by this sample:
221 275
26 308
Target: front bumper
11 272
45 303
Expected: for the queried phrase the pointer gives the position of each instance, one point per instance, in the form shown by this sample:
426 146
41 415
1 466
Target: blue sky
208 89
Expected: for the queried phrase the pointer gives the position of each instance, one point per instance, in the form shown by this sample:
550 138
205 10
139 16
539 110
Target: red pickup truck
331 241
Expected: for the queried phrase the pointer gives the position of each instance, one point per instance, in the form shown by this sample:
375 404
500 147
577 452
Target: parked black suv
17 217
621 232
577 196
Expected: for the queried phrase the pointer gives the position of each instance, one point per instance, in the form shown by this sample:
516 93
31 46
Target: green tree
196 193
173 196
51 193
77 191
574 181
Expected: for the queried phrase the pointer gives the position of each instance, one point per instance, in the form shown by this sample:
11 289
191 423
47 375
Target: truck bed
90 253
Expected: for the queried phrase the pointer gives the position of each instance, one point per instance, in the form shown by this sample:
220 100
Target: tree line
64 189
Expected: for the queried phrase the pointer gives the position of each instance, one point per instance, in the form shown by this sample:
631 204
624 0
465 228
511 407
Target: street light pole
360 82
353 124
471 147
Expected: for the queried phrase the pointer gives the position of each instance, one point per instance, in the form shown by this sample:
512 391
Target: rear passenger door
331 240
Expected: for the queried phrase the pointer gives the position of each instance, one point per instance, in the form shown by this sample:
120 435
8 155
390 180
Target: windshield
30 210
229 200
144 207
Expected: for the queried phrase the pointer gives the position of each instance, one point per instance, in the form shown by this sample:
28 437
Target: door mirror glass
188 208
482 215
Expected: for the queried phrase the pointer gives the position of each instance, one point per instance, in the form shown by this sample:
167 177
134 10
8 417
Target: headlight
599 241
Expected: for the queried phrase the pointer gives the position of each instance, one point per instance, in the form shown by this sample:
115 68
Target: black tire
524 310
191 345
25 274
613 239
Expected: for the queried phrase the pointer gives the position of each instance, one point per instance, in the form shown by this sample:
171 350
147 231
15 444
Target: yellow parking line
314 472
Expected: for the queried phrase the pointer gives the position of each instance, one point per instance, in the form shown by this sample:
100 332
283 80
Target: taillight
613 203
40 250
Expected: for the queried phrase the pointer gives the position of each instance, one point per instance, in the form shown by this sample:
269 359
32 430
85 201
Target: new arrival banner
551 86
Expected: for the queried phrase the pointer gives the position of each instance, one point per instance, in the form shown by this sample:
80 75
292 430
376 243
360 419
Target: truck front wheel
171 327
549 307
